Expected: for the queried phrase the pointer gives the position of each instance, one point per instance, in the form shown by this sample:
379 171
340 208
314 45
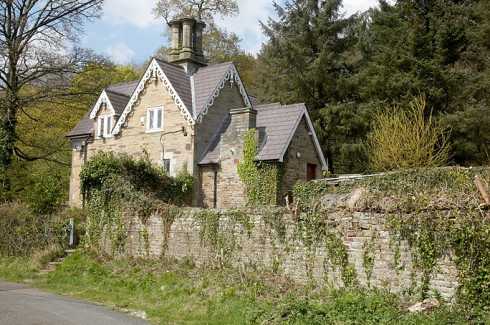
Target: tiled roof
203 83
118 101
179 80
84 127
279 123
119 96
126 88
206 80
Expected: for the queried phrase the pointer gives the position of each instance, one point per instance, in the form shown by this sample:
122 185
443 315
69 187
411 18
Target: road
20 305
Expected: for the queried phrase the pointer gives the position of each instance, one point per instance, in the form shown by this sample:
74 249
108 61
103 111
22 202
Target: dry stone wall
276 240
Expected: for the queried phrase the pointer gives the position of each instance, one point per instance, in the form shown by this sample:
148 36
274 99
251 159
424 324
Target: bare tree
36 56
204 10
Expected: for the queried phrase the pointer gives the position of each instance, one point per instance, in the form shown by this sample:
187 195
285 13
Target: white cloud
246 24
134 12
354 6
120 53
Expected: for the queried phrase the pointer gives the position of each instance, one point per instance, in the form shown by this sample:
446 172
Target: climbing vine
436 212
218 230
116 185
261 179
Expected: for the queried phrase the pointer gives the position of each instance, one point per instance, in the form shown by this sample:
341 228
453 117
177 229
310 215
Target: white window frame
154 128
103 129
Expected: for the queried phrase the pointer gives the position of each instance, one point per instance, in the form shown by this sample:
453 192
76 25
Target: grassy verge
178 293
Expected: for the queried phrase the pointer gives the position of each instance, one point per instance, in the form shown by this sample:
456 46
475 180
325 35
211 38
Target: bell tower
186 47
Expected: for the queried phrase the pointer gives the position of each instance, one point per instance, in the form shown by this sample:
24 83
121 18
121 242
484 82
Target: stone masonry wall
265 245
294 167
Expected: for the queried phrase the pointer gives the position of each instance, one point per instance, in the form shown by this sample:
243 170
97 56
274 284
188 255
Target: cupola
186 47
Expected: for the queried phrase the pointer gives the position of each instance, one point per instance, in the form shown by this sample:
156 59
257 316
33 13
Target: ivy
261 179
118 184
368 256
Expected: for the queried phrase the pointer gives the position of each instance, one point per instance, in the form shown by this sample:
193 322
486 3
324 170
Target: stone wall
300 153
273 240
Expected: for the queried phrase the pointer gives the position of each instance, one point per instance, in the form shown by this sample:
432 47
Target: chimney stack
186 46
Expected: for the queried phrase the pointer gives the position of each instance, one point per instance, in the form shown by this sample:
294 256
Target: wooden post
482 189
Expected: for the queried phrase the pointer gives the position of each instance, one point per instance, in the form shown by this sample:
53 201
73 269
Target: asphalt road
20 305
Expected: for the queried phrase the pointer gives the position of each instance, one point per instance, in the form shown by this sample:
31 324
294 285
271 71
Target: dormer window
154 119
104 126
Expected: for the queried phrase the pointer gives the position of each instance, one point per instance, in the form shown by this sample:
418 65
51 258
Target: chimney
186 46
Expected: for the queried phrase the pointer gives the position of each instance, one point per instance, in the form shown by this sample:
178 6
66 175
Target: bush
46 195
22 232
107 168
406 138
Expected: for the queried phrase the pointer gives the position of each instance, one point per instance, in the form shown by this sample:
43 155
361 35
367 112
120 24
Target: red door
310 172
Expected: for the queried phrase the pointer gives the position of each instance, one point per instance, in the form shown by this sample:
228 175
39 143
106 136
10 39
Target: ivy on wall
261 179
436 211
117 183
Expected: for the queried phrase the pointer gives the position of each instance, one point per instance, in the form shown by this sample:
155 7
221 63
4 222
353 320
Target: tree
438 48
344 69
306 53
35 59
420 141
204 10
44 182
309 58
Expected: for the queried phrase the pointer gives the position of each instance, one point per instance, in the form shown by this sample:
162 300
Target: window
166 166
310 172
154 119
104 126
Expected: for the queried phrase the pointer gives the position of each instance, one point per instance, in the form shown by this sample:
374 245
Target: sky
129 33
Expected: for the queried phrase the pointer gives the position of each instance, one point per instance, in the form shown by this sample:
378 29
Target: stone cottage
188 115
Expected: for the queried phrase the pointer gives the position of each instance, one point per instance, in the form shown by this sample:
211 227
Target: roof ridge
217 64
122 83
168 63
269 105
116 92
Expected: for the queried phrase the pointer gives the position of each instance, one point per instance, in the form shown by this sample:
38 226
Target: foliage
345 68
107 167
261 179
204 10
176 292
437 211
43 183
218 232
117 183
43 256
38 57
407 138
23 232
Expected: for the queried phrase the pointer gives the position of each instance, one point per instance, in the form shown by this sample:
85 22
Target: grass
171 292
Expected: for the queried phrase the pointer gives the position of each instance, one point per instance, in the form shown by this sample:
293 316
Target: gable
209 82
155 73
103 103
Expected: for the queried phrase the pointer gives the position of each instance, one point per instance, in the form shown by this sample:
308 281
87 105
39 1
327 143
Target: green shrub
407 138
140 174
46 194
22 232
116 183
